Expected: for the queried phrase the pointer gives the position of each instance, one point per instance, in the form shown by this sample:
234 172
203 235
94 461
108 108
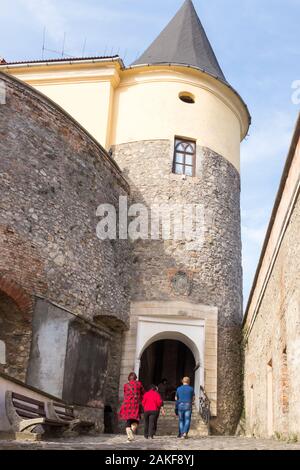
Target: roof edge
70 61
224 82
75 123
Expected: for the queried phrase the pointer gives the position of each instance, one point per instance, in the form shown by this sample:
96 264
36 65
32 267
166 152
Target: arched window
184 157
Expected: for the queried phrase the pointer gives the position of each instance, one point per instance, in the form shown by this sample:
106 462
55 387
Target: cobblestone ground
118 442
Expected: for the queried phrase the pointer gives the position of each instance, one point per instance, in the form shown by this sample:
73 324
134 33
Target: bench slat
37 411
62 413
17 396
33 409
63 407
27 414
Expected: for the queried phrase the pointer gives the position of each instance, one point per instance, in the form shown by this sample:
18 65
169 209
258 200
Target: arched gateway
169 340
168 359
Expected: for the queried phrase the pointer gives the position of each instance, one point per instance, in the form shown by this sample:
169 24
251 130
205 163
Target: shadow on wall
15 338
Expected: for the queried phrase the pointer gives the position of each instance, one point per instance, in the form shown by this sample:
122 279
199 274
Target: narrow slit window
184 157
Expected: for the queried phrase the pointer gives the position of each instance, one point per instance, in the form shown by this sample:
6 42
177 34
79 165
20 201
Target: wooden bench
65 414
29 415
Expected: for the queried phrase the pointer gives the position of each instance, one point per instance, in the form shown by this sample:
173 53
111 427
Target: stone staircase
168 424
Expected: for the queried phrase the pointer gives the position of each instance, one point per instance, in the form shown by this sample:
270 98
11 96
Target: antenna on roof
104 53
83 47
63 46
61 53
125 54
44 40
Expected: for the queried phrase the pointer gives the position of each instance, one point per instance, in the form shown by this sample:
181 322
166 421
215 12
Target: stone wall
272 349
53 177
213 275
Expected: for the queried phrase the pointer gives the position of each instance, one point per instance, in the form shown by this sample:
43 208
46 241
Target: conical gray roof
183 41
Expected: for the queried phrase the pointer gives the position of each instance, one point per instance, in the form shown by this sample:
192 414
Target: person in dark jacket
152 404
163 389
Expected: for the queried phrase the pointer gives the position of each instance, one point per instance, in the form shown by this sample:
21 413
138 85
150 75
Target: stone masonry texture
274 343
53 177
112 443
214 272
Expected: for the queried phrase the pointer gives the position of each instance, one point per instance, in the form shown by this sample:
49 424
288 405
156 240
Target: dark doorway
15 332
167 359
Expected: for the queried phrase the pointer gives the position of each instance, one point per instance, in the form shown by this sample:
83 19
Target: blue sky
257 45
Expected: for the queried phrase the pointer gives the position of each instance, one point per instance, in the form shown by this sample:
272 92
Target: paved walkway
118 442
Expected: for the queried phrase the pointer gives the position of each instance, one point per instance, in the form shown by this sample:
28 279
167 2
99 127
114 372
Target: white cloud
79 19
262 156
269 139
108 13
256 214
47 14
254 234
255 220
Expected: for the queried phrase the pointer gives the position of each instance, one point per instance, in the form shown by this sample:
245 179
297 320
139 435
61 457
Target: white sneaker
130 434
134 428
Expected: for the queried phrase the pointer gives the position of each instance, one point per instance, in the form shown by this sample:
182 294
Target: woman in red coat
130 410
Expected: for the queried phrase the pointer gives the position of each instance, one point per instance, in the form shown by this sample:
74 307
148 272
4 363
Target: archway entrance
167 359
189 331
15 337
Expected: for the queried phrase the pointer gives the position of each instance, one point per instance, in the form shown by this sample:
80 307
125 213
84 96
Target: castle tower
176 132
174 125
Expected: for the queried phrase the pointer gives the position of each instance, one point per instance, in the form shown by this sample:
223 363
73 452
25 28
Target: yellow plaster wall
120 106
88 103
147 107
85 91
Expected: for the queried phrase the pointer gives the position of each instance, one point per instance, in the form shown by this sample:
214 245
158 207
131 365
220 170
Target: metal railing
204 406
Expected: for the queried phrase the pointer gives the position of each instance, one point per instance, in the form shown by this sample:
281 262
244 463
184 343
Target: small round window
187 97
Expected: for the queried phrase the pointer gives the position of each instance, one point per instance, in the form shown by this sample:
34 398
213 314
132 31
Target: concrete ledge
27 436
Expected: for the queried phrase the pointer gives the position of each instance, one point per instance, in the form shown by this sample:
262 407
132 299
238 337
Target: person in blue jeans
184 402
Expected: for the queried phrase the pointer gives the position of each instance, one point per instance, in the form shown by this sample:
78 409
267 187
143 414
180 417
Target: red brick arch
13 290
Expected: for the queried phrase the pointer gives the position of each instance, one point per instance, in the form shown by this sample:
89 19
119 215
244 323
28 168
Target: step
168 425
169 407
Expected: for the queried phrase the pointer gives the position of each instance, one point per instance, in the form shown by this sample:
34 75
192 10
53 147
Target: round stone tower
176 133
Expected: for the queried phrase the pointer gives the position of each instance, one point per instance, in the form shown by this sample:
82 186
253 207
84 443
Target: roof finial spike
188 3
183 41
